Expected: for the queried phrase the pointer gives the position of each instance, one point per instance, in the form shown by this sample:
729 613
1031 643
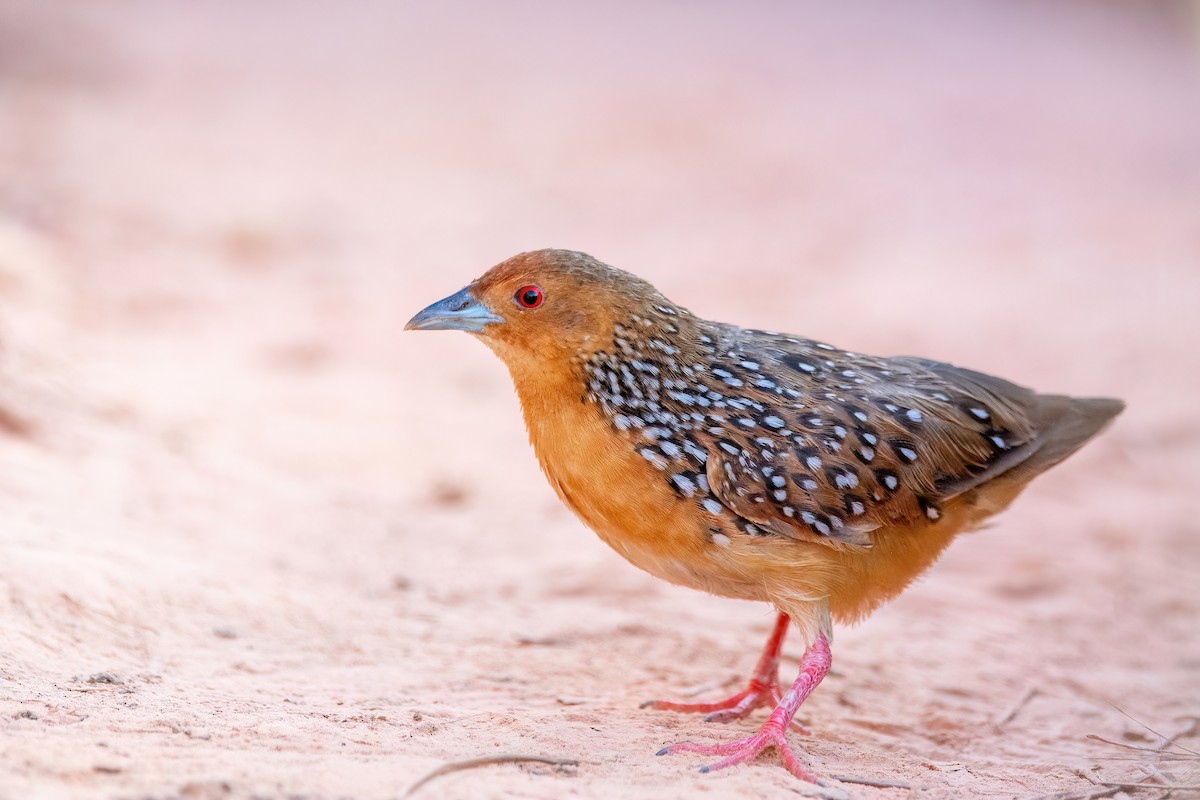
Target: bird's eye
529 296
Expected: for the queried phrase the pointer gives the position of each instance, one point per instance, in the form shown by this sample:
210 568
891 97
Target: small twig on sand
1090 794
1167 741
879 784
1122 745
486 761
1167 787
1016 707
1186 730
820 792
1165 751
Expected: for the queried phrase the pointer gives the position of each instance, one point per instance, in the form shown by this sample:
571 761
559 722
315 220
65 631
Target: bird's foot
744 750
813 667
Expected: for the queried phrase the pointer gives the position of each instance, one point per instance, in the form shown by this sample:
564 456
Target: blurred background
228 479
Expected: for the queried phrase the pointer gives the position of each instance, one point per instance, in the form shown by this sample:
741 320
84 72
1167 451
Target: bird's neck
638 374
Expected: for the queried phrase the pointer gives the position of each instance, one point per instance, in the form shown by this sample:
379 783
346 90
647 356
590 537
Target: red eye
529 296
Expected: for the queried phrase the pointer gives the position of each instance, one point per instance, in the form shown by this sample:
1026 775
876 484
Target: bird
754 464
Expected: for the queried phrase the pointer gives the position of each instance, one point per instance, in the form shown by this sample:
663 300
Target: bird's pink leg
813 668
762 690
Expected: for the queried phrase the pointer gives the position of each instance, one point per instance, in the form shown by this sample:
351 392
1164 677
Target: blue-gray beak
458 312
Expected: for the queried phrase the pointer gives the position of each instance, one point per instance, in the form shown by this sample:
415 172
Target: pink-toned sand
255 541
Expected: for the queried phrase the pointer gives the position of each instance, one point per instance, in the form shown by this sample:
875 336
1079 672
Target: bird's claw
744 750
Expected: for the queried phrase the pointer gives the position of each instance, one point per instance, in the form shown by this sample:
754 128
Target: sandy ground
255 541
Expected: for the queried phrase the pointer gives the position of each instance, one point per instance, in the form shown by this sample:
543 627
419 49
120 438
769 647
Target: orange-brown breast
614 490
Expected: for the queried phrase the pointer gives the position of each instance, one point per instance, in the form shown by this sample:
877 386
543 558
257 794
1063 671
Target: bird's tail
1065 424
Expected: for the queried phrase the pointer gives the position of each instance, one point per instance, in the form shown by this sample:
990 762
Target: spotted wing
820 443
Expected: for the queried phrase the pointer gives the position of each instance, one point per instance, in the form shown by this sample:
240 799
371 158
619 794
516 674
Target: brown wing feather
829 445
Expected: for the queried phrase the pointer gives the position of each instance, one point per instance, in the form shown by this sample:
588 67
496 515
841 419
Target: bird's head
541 306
